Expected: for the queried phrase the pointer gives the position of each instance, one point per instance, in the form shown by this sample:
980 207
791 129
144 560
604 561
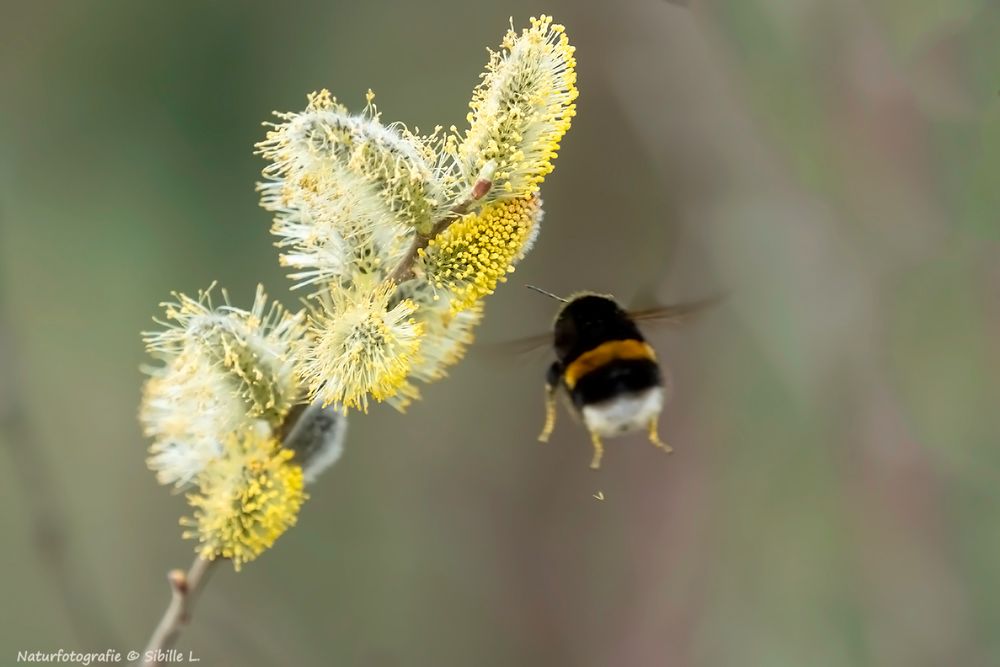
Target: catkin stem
184 587
404 270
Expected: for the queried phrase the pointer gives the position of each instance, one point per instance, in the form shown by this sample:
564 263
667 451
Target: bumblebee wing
521 348
677 313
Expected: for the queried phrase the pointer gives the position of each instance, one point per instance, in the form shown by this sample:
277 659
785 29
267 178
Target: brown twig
404 270
184 587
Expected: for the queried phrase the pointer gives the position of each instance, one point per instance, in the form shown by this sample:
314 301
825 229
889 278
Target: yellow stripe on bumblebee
603 354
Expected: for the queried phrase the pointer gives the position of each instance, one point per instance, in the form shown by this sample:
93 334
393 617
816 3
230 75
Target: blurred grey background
833 495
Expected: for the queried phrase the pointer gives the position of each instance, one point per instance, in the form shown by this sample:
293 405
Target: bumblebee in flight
609 372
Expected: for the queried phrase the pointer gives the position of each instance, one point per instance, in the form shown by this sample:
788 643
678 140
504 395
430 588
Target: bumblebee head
588 307
587 320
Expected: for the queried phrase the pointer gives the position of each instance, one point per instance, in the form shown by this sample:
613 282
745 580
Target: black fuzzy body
585 323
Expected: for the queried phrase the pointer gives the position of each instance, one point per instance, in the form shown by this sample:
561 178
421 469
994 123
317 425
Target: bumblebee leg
550 413
654 437
595 440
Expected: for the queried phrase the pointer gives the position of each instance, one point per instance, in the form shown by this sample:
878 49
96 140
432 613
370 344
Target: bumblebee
609 373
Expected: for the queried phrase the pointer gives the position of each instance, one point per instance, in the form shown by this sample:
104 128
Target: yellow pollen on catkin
360 347
247 498
222 368
521 110
324 154
476 253
447 335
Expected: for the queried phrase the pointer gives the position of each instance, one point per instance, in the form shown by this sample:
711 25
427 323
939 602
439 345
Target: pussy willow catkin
354 201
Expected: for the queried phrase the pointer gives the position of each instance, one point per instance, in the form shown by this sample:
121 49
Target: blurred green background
834 492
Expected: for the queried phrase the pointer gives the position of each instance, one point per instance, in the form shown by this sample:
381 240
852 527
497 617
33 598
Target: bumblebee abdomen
612 379
624 413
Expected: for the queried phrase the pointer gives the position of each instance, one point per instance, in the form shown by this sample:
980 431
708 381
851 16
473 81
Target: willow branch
404 270
184 587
